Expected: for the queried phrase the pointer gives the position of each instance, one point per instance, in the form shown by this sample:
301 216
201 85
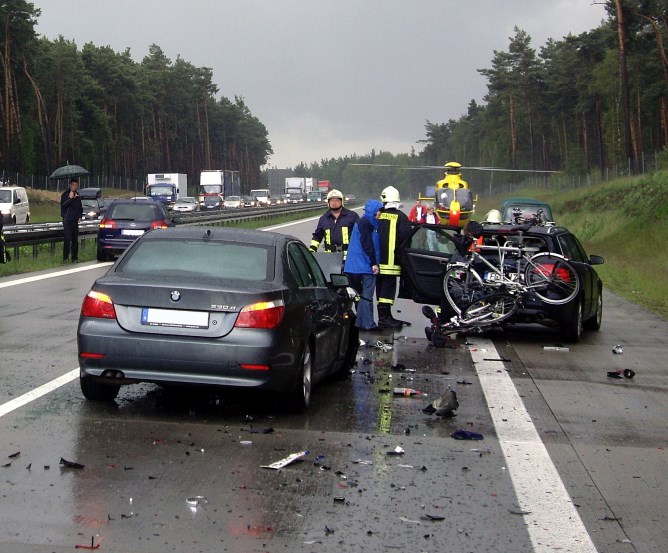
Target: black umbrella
68 171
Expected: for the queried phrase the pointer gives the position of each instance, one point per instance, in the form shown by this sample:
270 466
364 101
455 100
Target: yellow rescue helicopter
454 203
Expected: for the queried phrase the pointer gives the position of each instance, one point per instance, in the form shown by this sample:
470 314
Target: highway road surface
570 460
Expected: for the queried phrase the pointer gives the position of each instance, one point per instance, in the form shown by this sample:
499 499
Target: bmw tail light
562 274
107 223
158 224
98 305
264 314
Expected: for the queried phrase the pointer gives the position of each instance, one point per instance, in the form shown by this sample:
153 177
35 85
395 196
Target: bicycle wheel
552 278
461 286
489 310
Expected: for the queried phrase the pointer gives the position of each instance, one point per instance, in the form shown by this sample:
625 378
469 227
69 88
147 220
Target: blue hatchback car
125 221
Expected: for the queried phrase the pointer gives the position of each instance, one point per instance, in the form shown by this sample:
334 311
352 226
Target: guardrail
36 235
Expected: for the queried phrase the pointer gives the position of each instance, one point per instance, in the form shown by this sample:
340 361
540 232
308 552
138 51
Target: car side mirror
339 281
596 260
17 201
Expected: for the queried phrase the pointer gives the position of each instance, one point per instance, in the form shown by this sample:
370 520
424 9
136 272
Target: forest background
591 105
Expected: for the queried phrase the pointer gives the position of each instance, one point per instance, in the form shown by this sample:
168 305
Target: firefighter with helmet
335 226
494 216
393 229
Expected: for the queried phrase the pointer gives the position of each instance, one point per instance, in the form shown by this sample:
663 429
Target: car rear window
134 212
189 258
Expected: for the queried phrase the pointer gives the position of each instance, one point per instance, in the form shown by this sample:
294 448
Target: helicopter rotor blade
442 168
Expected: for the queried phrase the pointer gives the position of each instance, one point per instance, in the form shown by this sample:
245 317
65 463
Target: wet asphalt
182 470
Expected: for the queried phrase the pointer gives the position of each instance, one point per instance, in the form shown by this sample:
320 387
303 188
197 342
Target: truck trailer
167 187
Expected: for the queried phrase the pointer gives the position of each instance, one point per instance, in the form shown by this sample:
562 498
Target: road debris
396 451
286 461
70 464
622 373
556 348
91 546
618 349
444 406
407 392
466 435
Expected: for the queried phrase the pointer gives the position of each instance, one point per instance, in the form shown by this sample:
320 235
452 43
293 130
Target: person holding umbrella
71 210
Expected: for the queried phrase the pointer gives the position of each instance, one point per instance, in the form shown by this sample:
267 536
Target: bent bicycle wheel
461 286
489 310
553 279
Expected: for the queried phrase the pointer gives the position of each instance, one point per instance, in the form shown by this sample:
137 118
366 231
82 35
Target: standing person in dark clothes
394 228
71 210
4 254
335 226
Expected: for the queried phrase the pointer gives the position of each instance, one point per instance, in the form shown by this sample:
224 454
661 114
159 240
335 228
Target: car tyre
594 323
298 398
350 360
571 328
94 390
101 255
27 219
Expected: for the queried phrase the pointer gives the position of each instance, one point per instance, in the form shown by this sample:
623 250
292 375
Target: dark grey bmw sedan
216 306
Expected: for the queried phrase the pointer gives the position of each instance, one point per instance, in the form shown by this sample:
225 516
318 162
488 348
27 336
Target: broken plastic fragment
396 451
70 464
618 349
286 461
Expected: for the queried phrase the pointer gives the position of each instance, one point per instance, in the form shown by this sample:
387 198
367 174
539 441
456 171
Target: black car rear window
134 212
213 259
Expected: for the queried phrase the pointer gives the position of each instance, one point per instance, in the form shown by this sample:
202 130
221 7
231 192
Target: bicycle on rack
491 281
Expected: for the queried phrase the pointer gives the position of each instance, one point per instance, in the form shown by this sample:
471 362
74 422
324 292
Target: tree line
583 105
100 109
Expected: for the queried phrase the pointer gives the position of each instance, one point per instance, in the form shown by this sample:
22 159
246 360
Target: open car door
424 258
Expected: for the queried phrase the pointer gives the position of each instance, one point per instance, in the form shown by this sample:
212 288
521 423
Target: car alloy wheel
298 398
595 322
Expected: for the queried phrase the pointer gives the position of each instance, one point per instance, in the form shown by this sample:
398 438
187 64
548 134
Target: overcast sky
328 77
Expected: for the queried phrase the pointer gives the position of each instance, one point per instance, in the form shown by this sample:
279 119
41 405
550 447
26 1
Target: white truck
218 182
295 188
167 187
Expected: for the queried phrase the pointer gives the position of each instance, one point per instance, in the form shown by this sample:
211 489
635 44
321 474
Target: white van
14 205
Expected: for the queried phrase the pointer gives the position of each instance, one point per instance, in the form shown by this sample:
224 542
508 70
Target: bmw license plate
174 317
131 232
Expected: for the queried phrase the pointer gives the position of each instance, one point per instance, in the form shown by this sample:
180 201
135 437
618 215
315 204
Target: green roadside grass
626 222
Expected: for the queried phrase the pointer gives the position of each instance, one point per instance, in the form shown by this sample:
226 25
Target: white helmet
334 194
390 194
494 216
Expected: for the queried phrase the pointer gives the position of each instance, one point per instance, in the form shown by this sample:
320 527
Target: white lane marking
27 280
38 392
283 225
554 522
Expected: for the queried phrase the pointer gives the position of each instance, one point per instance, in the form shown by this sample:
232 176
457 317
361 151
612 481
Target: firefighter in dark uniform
4 254
394 228
335 227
